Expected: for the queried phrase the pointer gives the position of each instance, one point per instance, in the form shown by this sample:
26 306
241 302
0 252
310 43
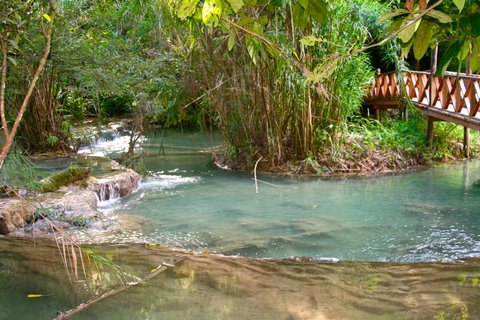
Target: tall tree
15 15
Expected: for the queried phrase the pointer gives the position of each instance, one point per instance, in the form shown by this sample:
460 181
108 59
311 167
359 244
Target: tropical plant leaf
451 52
460 4
309 41
318 10
231 39
464 51
406 49
440 16
389 15
187 8
211 12
407 34
14 43
423 37
235 4
475 56
47 17
300 16
303 3
12 61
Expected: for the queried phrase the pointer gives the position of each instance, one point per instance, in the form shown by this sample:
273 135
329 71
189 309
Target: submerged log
160 269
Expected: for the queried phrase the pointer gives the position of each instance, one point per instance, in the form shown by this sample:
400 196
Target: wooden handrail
456 93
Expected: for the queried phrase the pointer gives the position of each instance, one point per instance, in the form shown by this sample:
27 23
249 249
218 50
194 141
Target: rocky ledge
115 186
70 207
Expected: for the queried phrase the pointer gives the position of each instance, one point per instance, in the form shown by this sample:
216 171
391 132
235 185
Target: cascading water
108 191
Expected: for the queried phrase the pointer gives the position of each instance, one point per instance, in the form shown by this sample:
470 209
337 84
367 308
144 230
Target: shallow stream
398 240
425 215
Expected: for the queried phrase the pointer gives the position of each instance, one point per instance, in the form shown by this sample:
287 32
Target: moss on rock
63 178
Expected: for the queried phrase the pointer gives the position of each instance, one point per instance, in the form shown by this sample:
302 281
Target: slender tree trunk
41 65
4 44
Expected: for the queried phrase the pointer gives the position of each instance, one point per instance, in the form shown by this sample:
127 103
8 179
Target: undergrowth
370 146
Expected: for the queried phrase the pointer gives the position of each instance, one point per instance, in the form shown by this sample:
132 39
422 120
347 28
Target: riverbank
67 206
359 157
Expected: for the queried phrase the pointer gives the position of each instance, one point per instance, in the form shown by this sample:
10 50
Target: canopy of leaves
455 23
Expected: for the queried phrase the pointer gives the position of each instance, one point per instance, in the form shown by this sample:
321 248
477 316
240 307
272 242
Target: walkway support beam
430 131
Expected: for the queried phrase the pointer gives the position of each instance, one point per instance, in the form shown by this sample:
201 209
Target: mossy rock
63 178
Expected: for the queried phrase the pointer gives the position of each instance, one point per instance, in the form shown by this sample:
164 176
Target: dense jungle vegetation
283 80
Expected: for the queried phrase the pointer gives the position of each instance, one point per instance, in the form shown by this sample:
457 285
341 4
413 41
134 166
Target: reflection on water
428 215
215 287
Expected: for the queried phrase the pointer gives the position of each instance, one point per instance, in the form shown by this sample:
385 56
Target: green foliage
454 22
255 65
422 40
123 59
19 172
58 214
407 136
114 105
52 140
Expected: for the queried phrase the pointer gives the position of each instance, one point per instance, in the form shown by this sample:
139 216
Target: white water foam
104 147
165 181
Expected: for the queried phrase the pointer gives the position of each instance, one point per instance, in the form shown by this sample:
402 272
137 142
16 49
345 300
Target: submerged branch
255 174
161 268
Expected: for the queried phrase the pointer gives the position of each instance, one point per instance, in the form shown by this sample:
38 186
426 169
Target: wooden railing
453 97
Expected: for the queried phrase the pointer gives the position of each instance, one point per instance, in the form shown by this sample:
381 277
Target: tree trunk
41 65
4 44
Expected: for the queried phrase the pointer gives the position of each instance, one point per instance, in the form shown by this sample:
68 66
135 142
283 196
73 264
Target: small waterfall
115 186
108 191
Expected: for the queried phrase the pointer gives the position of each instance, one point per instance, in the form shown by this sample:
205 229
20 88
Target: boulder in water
115 186
14 213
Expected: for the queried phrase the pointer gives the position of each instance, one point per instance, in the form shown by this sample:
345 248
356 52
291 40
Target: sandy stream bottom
205 286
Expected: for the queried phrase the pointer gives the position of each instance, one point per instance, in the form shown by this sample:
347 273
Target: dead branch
160 269
255 174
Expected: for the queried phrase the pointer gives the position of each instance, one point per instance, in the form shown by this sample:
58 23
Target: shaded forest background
283 80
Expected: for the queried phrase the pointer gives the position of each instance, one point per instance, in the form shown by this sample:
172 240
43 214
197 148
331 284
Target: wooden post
466 142
466 131
433 69
430 132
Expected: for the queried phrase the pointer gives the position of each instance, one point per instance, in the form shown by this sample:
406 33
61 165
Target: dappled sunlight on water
204 286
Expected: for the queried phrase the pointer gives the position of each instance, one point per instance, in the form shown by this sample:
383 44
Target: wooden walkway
454 97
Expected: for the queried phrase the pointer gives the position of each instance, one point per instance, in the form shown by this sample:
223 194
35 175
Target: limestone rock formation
14 213
115 186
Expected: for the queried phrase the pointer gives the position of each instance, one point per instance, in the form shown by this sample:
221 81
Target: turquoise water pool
424 215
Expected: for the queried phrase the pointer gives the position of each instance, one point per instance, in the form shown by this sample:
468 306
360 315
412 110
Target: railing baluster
456 93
